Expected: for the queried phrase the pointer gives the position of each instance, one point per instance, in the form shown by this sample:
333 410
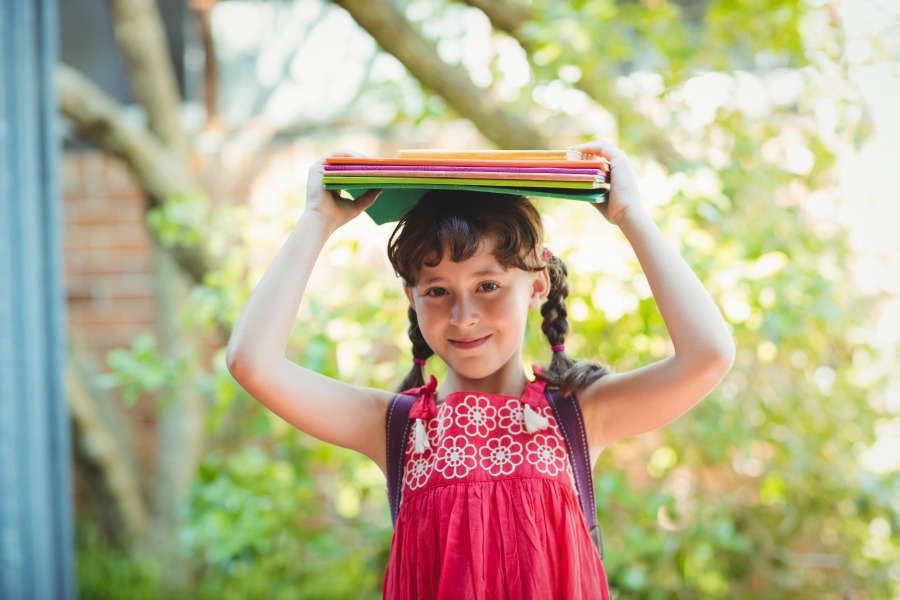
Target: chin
476 369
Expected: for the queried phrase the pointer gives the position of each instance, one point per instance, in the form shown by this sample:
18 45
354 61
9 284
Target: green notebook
398 198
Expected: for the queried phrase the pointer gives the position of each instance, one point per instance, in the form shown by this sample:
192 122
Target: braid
564 372
556 324
420 349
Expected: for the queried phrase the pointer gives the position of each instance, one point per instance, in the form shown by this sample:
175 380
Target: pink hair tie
420 361
546 255
558 348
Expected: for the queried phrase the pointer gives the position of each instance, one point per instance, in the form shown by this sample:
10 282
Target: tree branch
387 25
506 15
511 16
159 171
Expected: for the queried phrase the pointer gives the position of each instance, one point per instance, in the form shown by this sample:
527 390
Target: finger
367 199
339 152
602 148
345 152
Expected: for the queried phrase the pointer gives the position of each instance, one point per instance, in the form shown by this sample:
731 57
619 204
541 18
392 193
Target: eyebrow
475 275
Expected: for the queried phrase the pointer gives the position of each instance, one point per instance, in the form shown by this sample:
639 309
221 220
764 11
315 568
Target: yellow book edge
492 154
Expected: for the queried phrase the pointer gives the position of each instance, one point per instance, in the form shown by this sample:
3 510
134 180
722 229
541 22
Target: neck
508 381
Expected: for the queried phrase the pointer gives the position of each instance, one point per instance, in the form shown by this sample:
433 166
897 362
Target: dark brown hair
456 223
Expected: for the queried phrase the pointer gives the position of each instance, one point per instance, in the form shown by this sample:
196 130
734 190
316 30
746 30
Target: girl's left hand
330 204
623 191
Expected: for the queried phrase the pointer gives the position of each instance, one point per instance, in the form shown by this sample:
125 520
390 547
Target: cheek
428 316
512 308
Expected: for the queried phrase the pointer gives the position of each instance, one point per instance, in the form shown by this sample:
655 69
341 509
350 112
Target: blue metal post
36 540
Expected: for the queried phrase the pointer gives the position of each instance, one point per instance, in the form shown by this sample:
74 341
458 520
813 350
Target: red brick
117 178
71 175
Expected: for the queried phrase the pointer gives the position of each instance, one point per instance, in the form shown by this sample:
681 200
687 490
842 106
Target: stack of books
404 179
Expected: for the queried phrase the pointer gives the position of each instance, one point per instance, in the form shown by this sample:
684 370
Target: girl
488 509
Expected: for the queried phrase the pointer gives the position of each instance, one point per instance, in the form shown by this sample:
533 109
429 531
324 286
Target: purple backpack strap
567 412
397 432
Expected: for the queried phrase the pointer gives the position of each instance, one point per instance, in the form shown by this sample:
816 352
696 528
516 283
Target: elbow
250 363
718 360
232 359
239 362
728 353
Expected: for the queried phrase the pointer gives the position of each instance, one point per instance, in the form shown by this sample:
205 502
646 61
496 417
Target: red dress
489 510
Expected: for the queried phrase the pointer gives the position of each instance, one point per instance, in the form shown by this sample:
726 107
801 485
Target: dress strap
425 406
423 409
533 395
533 401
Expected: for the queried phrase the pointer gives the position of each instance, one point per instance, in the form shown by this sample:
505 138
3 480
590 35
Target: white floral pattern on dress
456 457
547 413
438 426
418 471
547 453
501 456
512 416
476 416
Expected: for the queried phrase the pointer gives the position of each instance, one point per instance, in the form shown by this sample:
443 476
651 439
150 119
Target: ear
409 295
540 289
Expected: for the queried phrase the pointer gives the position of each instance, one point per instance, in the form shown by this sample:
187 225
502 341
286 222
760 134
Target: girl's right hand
329 204
623 191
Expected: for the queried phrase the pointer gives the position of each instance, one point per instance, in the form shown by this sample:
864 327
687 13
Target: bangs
458 223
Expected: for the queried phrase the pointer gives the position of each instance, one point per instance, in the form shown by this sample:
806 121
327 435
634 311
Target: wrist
318 221
631 215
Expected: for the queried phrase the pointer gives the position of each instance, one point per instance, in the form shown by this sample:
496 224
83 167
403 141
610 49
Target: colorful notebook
406 178
397 199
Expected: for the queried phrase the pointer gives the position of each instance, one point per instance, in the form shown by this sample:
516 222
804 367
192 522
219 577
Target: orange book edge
599 163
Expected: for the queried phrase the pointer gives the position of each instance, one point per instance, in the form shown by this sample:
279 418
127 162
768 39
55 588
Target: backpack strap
568 416
397 426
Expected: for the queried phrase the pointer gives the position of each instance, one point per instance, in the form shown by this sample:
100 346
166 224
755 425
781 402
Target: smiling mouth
468 344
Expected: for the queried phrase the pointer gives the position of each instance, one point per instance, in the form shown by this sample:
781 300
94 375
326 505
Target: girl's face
473 315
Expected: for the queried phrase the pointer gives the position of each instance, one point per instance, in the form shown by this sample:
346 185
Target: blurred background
766 138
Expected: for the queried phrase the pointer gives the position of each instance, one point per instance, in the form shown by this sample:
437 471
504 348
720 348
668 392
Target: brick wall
108 261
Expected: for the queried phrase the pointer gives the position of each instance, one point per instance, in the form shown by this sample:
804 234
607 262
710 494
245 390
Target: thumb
367 199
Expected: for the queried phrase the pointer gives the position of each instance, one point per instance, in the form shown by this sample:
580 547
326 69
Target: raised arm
332 411
627 404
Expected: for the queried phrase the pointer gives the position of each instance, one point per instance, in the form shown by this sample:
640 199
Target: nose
463 313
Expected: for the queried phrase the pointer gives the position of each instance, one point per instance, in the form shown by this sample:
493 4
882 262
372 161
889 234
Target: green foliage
181 220
264 526
143 369
109 573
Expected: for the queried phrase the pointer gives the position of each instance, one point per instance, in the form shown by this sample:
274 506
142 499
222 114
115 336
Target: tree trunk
387 25
104 458
180 427
158 159
142 41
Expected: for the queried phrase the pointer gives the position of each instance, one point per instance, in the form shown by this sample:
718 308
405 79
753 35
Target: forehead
482 262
